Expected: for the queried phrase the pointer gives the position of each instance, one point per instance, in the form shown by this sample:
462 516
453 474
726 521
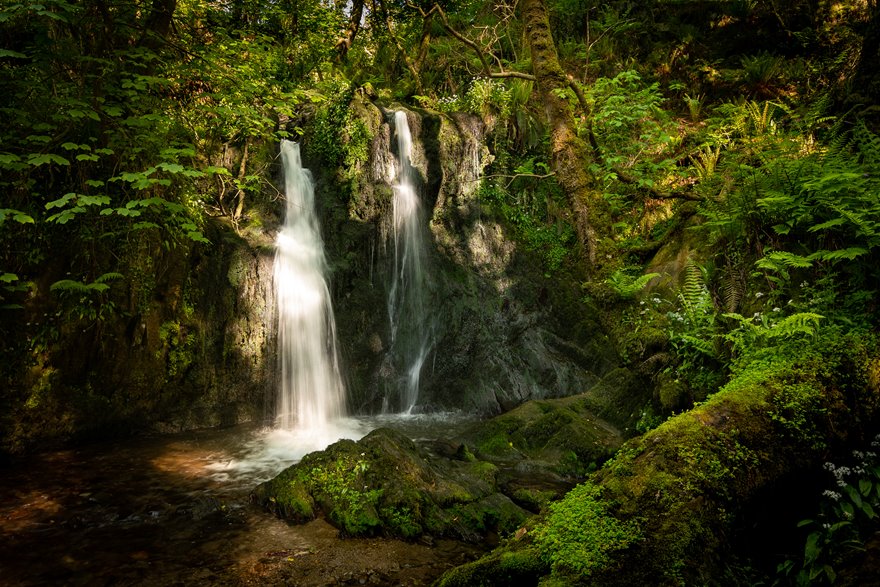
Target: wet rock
388 485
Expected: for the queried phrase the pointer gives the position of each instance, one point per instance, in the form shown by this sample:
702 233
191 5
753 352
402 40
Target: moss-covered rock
662 511
547 431
386 484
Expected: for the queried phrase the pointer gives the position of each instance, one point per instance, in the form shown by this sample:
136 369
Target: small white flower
777 309
758 294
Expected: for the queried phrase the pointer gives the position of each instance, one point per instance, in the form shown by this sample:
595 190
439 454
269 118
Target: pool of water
175 510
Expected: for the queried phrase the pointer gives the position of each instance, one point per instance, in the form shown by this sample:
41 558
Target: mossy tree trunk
569 155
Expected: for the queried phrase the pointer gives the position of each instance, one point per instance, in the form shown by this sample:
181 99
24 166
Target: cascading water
311 393
407 302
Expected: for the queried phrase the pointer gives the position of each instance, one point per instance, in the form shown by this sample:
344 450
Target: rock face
188 344
503 332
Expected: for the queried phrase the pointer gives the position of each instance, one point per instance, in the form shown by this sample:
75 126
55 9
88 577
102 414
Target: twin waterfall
311 393
407 301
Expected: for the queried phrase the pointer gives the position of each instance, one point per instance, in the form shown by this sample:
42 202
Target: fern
627 286
108 277
802 323
705 161
848 254
733 282
868 145
97 286
693 294
750 334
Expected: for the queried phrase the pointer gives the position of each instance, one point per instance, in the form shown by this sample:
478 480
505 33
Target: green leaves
99 285
16 215
36 159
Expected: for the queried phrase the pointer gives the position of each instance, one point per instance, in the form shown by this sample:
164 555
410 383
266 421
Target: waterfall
407 302
311 393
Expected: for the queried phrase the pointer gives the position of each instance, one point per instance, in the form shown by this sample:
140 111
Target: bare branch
516 176
480 51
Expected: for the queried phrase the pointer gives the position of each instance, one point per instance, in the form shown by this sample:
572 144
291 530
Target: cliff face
188 338
501 330
184 341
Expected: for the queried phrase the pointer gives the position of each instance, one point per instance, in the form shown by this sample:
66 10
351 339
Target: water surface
175 510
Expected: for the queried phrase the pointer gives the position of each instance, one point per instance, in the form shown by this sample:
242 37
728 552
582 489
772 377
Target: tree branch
516 176
479 51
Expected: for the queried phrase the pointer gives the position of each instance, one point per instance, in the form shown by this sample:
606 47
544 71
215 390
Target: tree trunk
867 76
569 155
354 25
158 23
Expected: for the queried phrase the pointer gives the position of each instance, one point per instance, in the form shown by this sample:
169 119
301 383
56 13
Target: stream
175 510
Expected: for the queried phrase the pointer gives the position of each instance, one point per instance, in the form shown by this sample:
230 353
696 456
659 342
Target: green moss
401 521
178 348
534 500
501 567
581 534
287 495
484 470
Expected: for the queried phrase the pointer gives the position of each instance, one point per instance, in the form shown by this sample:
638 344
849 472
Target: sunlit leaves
16 216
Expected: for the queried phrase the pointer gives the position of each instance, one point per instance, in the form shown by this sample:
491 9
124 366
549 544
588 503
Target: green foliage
178 347
626 285
534 207
488 98
846 519
694 337
581 533
343 483
86 301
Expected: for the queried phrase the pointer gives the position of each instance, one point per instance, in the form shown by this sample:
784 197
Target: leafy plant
626 285
581 532
847 514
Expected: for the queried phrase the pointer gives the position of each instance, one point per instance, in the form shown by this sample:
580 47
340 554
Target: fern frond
69 285
694 296
733 289
108 277
847 254
627 286
806 323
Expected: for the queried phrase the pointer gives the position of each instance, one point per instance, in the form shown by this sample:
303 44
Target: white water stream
311 396
407 302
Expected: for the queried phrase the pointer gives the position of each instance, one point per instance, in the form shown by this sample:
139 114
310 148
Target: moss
401 521
501 567
287 496
580 535
660 511
533 500
385 484
484 470
545 430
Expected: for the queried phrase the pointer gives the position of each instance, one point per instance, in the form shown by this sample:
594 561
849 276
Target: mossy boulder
562 431
386 484
663 510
